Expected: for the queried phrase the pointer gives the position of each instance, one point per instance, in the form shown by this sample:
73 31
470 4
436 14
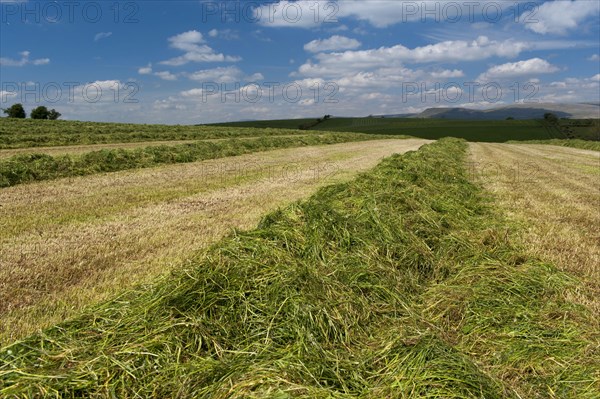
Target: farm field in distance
433 129
30 133
361 258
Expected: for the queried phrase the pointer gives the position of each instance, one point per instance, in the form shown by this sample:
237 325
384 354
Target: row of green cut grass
27 133
402 283
27 168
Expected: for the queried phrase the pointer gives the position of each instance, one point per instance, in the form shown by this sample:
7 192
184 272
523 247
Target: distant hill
516 111
473 125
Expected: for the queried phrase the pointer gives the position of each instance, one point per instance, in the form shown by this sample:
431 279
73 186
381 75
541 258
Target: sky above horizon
188 62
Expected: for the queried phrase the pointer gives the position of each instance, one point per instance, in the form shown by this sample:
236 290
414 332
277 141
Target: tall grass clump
37 167
399 284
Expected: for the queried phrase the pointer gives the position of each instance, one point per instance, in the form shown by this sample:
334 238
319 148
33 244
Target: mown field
34 162
574 143
260 264
434 129
26 133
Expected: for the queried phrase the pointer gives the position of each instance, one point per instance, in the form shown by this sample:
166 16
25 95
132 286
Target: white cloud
256 110
529 67
335 42
255 77
192 93
6 95
41 61
9 62
447 74
334 64
572 90
558 17
186 41
382 13
226 34
228 74
147 70
100 92
168 104
166 75
192 43
594 57
102 35
378 13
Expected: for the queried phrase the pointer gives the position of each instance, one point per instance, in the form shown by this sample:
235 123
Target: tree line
41 112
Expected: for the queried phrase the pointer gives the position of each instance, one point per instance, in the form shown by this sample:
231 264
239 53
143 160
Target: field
574 143
266 262
84 238
434 129
29 133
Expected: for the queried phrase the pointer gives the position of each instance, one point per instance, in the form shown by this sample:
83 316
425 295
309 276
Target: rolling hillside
433 129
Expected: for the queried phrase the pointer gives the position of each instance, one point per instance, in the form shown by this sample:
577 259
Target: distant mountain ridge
516 111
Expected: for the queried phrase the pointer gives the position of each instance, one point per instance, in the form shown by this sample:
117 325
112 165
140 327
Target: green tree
550 117
16 111
53 114
40 112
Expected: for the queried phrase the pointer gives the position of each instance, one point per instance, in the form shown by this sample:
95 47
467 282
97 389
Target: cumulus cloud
334 64
559 17
168 104
226 34
230 74
594 57
383 13
147 70
531 67
195 50
447 74
166 75
572 90
255 77
24 60
102 35
335 42
6 95
101 92
378 13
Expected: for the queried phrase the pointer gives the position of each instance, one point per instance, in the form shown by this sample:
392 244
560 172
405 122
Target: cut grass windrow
402 283
27 133
581 144
37 167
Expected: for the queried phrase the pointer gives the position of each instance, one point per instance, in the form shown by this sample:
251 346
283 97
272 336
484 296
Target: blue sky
182 62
